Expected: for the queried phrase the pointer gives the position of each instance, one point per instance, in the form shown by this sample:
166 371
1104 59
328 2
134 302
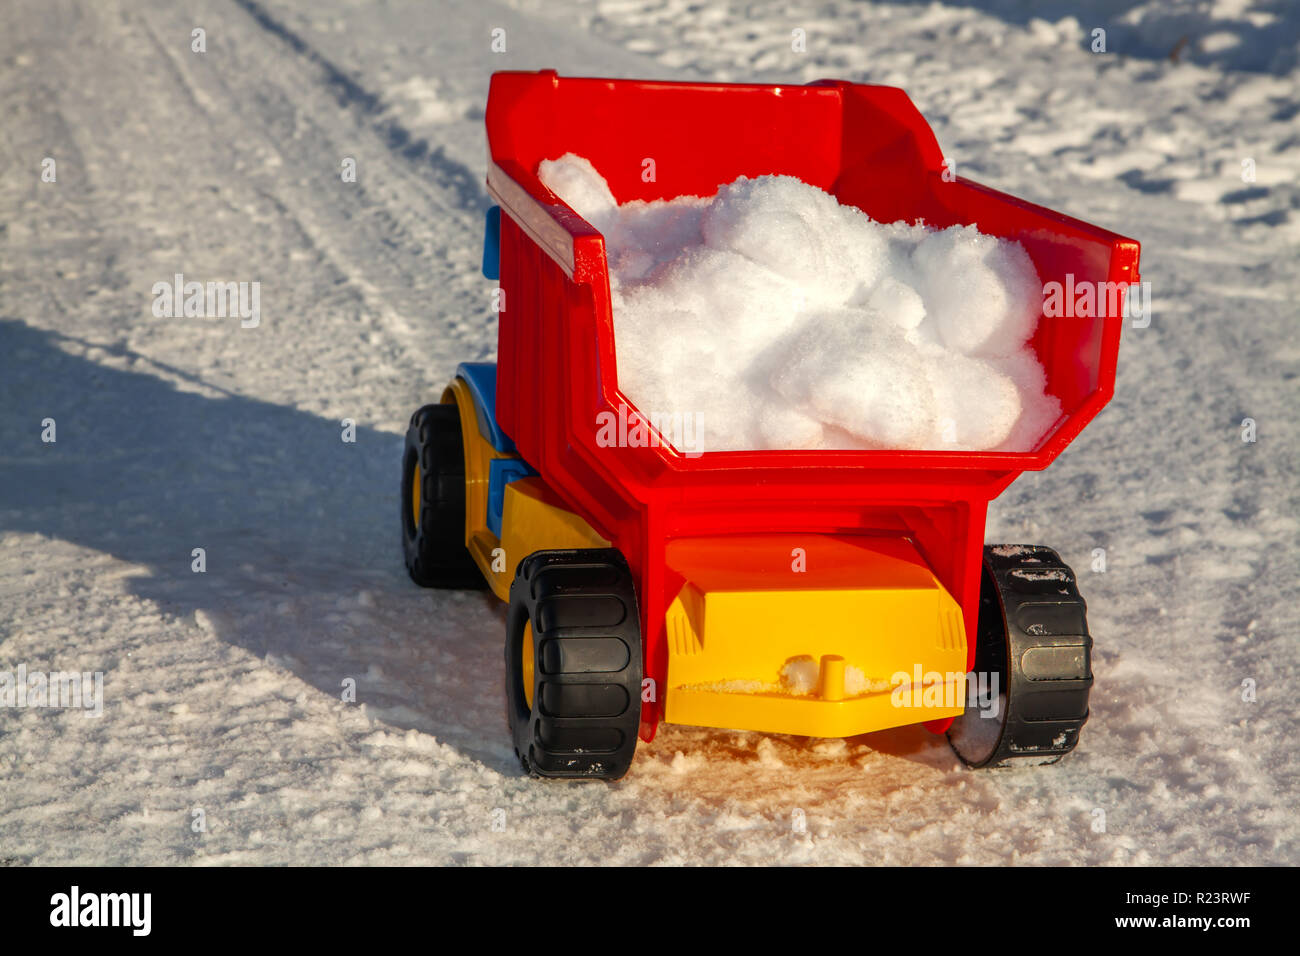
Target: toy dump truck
647 585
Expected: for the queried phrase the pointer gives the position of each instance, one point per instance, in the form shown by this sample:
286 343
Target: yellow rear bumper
817 635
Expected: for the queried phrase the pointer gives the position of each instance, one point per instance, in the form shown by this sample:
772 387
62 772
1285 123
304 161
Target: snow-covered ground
222 690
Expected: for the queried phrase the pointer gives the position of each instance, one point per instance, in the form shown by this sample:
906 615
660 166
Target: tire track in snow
394 244
452 175
198 99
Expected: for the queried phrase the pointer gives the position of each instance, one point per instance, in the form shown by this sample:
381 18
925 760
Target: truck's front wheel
433 501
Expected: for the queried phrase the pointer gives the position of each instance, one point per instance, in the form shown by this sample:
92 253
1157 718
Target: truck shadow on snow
299 529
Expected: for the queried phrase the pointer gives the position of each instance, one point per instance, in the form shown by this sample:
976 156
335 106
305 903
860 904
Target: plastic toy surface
823 593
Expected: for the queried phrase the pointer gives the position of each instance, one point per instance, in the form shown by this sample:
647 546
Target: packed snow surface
223 691
772 316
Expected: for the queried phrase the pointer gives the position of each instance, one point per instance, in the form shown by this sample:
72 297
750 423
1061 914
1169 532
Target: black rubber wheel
574 700
433 505
1033 637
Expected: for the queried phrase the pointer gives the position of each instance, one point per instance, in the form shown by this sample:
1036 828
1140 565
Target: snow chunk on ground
778 318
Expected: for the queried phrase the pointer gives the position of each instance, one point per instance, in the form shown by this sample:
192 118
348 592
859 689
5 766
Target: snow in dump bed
775 317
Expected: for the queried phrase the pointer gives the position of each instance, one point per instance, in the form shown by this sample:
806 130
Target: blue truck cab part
492 244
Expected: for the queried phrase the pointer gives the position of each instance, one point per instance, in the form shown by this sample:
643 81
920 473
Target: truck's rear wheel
573 664
433 501
1033 640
